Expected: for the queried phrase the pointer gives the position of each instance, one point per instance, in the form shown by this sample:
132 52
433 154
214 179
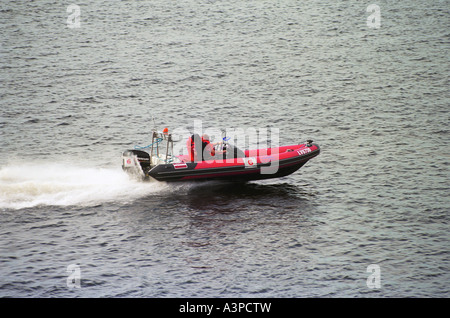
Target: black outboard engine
136 162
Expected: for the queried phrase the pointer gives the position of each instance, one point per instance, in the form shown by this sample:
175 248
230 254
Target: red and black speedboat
233 165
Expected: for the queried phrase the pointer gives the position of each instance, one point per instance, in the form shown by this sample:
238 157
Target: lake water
375 99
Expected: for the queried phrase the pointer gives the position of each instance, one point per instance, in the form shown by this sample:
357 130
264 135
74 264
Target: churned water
368 217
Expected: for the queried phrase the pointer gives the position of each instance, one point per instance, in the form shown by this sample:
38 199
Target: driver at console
208 148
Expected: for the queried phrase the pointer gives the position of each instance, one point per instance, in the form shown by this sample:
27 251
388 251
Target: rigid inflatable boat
157 161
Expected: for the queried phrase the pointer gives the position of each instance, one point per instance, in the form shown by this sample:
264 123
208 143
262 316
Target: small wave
25 186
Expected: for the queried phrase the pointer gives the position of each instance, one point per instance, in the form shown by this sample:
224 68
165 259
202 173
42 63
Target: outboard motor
136 162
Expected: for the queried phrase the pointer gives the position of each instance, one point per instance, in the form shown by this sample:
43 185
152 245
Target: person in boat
200 148
194 146
208 148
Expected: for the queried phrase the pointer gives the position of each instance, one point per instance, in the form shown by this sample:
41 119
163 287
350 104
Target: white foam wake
23 186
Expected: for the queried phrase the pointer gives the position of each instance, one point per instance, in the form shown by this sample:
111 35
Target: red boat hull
256 165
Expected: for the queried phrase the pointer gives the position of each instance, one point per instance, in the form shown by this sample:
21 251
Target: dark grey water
375 99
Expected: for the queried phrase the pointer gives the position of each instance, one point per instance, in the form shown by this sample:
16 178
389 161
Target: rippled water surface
375 99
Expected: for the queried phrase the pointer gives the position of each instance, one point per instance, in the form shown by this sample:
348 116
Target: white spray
23 186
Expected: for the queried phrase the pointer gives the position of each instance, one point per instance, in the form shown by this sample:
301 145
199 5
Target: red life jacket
194 150
190 147
206 143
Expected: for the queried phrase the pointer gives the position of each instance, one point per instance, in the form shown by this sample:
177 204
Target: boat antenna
154 123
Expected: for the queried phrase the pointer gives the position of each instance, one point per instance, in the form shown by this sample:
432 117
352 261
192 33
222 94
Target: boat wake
25 186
